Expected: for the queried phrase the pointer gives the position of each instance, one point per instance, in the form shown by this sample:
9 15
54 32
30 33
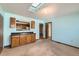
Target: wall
66 29
8 30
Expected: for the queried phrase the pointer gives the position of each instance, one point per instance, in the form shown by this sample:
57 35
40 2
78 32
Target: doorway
1 33
41 31
48 30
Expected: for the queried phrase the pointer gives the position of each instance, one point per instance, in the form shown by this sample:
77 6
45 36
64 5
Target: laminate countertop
22 33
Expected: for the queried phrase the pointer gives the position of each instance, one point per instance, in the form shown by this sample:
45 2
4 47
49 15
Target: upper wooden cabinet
12 22
20 25
32 24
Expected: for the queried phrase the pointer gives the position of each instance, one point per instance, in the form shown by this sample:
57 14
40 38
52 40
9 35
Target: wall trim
65 44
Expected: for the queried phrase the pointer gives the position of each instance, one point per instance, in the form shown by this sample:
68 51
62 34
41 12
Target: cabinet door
15 41
22 39
33 37
32 24
28 37
12 22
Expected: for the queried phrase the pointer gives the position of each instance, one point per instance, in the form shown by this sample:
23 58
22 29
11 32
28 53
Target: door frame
1 35
46 28
39 31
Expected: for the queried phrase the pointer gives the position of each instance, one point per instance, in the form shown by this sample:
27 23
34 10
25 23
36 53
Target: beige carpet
41 48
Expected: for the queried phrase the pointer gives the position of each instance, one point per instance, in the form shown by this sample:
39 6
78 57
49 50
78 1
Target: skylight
35 5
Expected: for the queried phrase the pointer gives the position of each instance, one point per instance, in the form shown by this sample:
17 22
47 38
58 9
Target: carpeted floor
41 48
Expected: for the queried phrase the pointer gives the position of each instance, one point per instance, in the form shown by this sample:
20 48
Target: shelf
22 22
22 25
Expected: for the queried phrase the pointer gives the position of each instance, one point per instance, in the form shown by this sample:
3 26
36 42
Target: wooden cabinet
15 40
12 22
33 37
22 25
28 37
32 24
19 25
21 39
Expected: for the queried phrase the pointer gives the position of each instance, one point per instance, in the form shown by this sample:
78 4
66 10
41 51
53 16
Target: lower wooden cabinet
28 38
33 37
15 41
21 39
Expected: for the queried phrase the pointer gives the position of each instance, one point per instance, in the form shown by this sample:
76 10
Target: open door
48 30
1 33
41 31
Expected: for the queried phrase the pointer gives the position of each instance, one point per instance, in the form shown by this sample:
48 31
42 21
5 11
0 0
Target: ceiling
22 9
62 9
18 8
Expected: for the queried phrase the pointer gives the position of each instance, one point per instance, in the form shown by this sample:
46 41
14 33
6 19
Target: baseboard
7 46
66 44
